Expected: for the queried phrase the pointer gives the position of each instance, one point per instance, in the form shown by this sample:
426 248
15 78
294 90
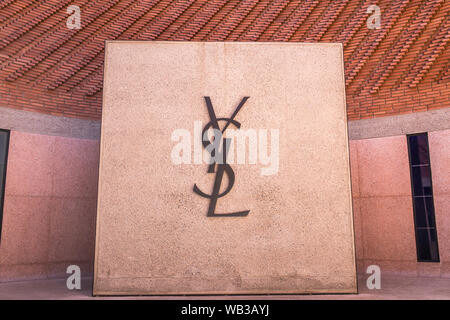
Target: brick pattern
401 68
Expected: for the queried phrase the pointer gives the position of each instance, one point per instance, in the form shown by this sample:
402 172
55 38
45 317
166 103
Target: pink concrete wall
383 211
50 206
440 169
51 192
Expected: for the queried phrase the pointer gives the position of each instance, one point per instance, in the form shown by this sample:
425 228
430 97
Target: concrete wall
440 168
51 190
384 223
298 236
50 206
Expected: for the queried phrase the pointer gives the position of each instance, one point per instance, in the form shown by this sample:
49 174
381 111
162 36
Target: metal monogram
219 158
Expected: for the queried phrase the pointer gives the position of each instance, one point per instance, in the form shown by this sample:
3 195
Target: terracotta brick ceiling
402 67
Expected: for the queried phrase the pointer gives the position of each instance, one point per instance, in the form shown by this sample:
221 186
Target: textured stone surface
426 121
384 217
44 124
439 143
383 167
50 206
153 235
384 220
392 216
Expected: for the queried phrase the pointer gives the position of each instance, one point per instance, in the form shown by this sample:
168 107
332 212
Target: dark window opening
422 196
4 145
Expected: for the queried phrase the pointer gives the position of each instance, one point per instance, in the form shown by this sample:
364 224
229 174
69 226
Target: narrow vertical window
4 143
422 196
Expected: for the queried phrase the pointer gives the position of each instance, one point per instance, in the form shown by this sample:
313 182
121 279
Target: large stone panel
50 206
154 235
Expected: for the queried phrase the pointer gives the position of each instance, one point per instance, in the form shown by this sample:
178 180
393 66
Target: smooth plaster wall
50 206
382 204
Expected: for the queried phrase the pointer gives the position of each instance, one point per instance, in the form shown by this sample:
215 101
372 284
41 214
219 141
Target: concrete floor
391 288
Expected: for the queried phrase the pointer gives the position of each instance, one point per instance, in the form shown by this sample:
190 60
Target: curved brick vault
402 67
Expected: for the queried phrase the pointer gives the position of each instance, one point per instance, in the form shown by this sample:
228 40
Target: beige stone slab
388 228
383 167
440 161
153 233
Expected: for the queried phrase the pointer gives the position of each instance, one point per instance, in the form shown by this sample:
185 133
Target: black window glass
422 196
421 179
3 146
4 142
427 244
424 211
419 149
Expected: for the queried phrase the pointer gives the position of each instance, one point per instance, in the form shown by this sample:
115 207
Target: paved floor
391 288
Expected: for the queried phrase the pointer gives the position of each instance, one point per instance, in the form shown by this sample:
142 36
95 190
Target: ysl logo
219 158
